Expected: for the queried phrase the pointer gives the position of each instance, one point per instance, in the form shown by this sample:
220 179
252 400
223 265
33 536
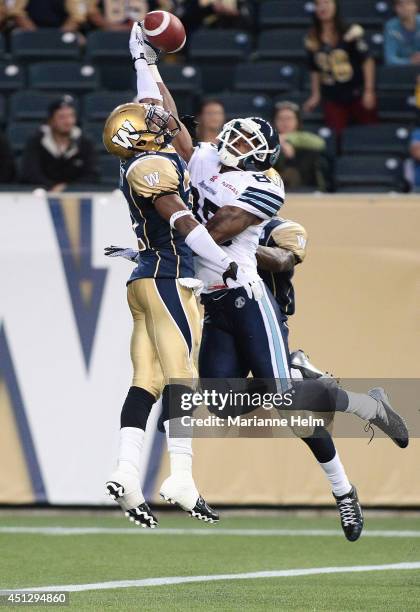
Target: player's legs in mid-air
163 349
241 335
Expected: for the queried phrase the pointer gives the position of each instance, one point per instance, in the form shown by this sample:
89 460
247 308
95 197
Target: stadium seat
266 77
369 171
116 77
93 130
396 107
181 78
246 105
327 134
390 139
3 114
98 105
44 44
63 76
286 13
19 132
375 39
2 44
109 170
281 44
397 78
108 46
11 76
32 105
223 44
185 102
366 12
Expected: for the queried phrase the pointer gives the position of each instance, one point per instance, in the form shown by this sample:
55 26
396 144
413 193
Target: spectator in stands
402 35
302 161
217 13
115 15
211 118
32 14
342 70
7 162
59 154
412 166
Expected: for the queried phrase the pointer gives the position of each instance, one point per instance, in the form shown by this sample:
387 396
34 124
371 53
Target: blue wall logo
72 218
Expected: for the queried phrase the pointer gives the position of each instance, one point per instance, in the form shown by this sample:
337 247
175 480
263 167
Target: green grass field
30 559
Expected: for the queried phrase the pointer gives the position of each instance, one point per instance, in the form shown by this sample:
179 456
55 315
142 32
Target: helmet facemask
250 132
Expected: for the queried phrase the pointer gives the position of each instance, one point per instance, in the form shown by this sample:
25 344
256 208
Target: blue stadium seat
109 170
185 102
98 105
389 139
63 76
117 77
222 44
397 78
12 76
281 44
327 134
246 105
32 105
369 171
44 44
94 130
366 12
108 46
266 77
19 132
397 106
3 114
181 78
285 13
375 39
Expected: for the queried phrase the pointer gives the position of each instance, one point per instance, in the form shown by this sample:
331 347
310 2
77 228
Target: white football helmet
260 136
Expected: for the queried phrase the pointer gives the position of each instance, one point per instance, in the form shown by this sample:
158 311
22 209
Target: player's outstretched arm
140 46
228 222
275 259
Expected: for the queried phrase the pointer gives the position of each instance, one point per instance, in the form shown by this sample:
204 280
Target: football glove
130 254
235 277
151 53
136 43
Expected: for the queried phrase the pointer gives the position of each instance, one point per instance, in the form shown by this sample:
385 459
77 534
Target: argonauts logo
240 302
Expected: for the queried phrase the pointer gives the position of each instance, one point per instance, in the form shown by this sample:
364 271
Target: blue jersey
292 237
145 177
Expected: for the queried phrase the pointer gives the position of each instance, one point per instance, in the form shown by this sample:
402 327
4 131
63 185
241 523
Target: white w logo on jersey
126 135
152 179
301 241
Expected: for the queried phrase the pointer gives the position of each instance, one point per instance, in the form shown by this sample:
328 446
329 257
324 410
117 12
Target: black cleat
203 512
140 515
351 514
390 423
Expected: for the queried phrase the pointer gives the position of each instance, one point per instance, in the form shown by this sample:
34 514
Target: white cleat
124 488
180 489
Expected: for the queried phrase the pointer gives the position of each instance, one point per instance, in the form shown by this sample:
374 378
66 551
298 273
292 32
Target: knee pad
136 408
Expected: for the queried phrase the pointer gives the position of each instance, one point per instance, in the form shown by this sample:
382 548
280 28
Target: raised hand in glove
151 53
130 254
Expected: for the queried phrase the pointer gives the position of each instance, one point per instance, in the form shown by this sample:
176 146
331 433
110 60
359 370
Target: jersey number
261 178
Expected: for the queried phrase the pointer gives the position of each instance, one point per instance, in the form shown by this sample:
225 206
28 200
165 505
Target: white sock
180 451
146 84
131 444
335 473
363 405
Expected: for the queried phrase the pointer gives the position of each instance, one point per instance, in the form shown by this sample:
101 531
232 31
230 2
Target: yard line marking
210 531
148 582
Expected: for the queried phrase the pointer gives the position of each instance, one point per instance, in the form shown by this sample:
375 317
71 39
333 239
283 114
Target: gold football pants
166 333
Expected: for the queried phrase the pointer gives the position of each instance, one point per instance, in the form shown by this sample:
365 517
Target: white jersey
260 193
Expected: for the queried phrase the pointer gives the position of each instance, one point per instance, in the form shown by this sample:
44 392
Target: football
165 31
